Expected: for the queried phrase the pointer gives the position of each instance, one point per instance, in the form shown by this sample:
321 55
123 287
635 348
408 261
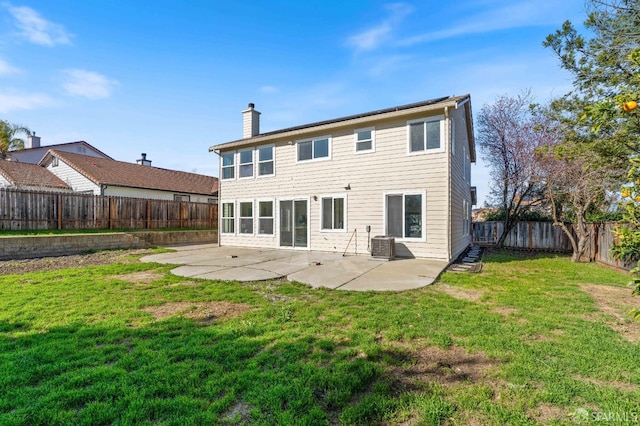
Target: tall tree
508 143
606 84
9 141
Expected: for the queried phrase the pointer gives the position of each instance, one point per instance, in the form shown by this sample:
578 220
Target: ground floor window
246 217
228 218
333 213
265 217
405 215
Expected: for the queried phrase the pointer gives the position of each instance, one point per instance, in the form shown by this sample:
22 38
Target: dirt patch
616 302
445 366
238 414
503 310
460 293
546 412
625 387
140 278
205 312
10 267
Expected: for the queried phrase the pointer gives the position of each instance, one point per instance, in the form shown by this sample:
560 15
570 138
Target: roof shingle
25 174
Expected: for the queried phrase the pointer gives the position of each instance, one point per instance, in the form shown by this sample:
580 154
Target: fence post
59 211
530 235
111 207
148 214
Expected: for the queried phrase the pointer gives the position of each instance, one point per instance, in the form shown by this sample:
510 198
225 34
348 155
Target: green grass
78 347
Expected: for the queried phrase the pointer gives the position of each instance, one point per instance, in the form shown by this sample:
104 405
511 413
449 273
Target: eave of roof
430 105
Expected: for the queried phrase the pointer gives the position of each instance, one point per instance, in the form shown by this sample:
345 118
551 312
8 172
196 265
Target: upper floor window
365 140
246 163
425 134
228 165
266 160
313 149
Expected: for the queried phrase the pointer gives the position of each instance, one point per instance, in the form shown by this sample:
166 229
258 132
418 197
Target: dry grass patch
205 312
546 412
625 387
460 293
503 310
616 302
140 278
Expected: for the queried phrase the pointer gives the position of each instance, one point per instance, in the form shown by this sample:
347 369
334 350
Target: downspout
448 153
219 197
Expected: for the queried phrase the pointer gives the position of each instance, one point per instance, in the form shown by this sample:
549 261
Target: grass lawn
526 341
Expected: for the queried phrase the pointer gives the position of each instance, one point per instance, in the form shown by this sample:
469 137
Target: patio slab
317 269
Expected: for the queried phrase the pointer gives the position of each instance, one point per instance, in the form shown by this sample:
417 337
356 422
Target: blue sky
169 78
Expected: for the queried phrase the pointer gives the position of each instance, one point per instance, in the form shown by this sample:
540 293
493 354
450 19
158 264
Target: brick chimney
143 161
33 141
250 122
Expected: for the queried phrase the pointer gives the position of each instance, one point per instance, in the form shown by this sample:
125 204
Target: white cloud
269 89
88 84
38 30
6 68
373 37
10 102
513 15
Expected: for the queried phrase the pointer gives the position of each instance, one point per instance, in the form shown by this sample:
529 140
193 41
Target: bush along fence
545 236
34 210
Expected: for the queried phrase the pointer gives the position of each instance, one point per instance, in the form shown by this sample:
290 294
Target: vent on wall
383 247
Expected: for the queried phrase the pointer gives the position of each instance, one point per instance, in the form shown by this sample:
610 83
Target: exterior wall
390 169
460 187
75 180
34 155
122 191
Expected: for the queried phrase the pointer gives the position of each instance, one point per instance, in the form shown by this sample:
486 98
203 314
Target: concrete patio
317 269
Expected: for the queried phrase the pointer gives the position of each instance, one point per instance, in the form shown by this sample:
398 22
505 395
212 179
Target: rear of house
333 185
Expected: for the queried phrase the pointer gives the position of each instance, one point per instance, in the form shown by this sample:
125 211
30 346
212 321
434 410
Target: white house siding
5 183
123 191
389 169
77 181
460 189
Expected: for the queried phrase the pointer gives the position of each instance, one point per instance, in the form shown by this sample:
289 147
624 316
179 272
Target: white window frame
425 120
313 140
240 218
223 217
272 217
240 164
404 193
222 166
273 160
373 140
343 196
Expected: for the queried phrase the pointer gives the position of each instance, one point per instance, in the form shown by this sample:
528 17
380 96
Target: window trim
371 129
240 164
273 217
344 215
222 217
312 140
441 148
222 166
404 193
273 159
240 217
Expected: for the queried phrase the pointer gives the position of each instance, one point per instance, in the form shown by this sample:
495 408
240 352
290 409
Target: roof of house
424 106
103 171
45 148
28 174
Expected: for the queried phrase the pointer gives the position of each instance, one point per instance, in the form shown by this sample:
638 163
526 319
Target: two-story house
332 185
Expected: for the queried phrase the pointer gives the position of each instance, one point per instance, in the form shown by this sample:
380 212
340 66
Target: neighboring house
33 151
103 176
29 177
401 172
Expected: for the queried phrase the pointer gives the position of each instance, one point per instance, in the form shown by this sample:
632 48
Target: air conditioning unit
383 247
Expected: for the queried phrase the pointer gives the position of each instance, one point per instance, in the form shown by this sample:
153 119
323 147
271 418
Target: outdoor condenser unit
383 247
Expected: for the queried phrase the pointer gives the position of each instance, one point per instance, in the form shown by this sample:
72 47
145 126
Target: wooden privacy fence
33 210
546 236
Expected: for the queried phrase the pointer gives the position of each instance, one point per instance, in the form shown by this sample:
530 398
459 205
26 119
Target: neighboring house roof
430 105
34 155
24 174
104 171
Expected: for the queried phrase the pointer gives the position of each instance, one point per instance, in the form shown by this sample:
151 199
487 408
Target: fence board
33 210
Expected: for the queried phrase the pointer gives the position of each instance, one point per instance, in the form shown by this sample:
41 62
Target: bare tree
508 141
